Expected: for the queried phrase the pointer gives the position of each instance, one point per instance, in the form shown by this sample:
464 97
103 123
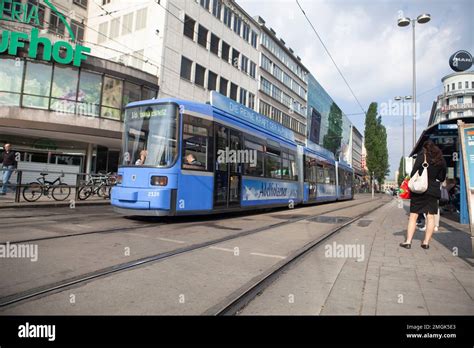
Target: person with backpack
430 158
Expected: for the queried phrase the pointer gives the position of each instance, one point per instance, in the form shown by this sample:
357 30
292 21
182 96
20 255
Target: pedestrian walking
430 158
9 164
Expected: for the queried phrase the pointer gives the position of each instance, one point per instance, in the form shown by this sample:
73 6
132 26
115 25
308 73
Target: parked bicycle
34 190
99 185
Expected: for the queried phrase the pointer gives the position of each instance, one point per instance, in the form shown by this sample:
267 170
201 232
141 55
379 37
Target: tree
333 137
375 136
401 175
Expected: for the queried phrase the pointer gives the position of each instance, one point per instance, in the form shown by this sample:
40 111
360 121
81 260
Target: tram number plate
153 194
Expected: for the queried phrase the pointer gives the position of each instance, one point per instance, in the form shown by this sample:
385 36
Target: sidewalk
390 280
8 201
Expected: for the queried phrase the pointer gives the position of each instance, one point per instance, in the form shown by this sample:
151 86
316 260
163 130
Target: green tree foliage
333 137
376 144
401 175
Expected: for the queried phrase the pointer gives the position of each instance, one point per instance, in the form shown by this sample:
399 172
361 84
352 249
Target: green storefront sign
61 52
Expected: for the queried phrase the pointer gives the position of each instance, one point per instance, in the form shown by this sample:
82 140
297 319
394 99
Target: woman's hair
433 153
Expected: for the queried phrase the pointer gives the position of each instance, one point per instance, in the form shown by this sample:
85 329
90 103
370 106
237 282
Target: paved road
172 281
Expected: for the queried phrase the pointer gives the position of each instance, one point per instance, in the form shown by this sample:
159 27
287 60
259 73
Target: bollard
18 187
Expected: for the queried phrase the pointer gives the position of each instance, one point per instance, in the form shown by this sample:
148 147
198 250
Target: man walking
8 166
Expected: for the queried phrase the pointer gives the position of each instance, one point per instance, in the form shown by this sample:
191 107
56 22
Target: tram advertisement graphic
256 190
466 135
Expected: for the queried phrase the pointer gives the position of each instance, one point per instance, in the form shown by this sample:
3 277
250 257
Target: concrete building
357 142
194 46
58 116
283 83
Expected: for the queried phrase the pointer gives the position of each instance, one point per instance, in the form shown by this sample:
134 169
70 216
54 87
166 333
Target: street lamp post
408 97
403 22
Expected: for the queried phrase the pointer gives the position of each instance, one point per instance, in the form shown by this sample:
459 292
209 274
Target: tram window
195 143
257 169
272 163
285 166
293 174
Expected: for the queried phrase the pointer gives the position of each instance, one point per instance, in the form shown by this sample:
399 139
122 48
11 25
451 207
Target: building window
225 51
266 63
103 32
467 84
141 19
459 85
131 93
214 44
235 57
461 114
265 108
127 24
253 39
237 24
223 86
56 25
244 64
205 4
251 104
88 97
202 36
114 28
199 75
453 87
37 85
186 67
111 98
78 30
211 81
276 93
82 3
105 2
472 84
227 16
277 72
243 96
253 68
217 8
447 87
233 91
64 89
189 27
266 86
461 100
246 32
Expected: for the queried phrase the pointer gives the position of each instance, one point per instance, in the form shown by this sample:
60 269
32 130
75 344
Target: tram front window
150 136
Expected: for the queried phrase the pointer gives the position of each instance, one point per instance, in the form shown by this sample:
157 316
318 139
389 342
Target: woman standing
426 202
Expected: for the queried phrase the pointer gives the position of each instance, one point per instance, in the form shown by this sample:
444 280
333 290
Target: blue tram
184 158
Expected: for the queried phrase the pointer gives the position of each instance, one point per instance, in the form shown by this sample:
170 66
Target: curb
51 204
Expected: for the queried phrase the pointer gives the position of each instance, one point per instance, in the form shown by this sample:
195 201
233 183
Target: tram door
228 170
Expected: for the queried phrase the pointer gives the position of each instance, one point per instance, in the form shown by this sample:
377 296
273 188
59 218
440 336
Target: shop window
88 97
148 93
37 85
131 93
112 98
11 74
64 89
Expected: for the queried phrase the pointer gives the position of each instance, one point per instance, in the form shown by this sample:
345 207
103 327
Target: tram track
121 229
239 299
101 273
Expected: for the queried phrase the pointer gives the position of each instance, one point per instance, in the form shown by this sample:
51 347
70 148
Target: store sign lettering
61 52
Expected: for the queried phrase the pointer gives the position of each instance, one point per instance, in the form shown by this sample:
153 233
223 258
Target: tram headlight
159 180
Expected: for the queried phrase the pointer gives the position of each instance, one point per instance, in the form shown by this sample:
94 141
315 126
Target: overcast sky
373 53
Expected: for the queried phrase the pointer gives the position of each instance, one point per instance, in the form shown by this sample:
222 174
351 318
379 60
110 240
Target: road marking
267 255
172 240
222 249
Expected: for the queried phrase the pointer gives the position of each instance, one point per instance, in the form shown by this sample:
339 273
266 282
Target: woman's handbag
419 183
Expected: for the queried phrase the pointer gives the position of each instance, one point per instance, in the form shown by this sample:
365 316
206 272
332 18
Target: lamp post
403 22
408 97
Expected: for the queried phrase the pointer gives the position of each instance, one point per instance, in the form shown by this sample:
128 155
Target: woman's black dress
427 202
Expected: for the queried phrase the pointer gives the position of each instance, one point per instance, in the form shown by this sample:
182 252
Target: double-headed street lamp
408 97
403 22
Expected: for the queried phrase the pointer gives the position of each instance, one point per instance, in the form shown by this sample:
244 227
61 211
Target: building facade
283 83
457 98
60 116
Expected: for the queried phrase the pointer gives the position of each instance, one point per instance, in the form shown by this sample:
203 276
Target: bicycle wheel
61 192
85 192
102 191
32 192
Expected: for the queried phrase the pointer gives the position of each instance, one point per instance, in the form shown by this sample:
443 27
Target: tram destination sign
61 52
238 110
